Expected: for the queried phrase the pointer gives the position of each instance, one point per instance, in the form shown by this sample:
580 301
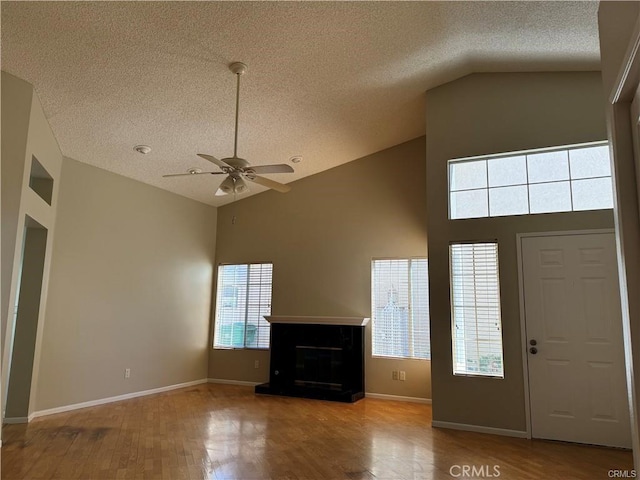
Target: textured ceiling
330 81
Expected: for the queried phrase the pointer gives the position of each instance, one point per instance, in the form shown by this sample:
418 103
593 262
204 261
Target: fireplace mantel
347 321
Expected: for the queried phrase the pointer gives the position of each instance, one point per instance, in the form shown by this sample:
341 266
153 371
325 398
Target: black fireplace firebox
316 357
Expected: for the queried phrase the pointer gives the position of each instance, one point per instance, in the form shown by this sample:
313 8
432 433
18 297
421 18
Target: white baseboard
224 381
480 429
398 398
15 420
117 398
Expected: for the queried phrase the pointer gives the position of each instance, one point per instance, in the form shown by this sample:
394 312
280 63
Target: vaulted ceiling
328 81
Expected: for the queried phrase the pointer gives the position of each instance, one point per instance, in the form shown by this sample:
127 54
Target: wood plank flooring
227 432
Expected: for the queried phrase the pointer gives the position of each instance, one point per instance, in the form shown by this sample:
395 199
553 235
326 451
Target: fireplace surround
316 357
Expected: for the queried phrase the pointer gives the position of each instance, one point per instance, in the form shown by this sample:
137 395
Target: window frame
220 297
501 376
410 320
528 184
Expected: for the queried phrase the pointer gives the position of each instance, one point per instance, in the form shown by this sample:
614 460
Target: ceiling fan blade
265 182
213 159
190 174
280 168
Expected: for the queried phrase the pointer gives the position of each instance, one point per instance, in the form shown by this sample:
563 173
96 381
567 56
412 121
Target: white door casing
577 384
635 132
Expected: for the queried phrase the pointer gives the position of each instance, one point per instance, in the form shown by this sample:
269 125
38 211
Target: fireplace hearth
316 357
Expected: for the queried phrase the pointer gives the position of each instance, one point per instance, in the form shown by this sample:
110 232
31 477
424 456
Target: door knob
532 342
533 350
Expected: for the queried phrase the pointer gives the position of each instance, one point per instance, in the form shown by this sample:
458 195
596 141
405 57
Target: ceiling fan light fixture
241 185
227 186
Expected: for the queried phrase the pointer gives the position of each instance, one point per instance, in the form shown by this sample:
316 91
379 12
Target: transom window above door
562 179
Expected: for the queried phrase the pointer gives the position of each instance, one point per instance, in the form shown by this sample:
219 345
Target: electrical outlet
403 375
394 375
127 372
256 364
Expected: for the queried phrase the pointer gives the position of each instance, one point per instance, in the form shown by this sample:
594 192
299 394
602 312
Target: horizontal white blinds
400 308
243 298
476 321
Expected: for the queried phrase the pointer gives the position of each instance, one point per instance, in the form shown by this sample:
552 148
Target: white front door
577 384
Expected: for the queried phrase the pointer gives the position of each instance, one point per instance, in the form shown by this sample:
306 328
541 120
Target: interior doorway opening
25 311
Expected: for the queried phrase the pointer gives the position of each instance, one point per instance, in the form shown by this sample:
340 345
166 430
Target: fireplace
319 367
316 357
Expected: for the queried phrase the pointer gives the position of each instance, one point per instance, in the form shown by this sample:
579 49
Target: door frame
523 323
627 219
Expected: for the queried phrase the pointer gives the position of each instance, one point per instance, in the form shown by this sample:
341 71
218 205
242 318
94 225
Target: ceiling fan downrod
238 68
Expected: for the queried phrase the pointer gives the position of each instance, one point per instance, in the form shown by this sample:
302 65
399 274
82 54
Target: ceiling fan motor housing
236 162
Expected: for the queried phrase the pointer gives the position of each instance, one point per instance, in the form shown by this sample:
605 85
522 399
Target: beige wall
617 22
321 238
130 287
28 136
16 109
483 114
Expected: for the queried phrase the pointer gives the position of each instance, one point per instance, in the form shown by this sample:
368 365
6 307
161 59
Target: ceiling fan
238 169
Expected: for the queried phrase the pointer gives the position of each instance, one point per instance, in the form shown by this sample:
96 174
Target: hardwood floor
227 432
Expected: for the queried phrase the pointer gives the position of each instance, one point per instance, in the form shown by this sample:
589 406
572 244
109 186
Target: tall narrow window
242 300
400 308
475 310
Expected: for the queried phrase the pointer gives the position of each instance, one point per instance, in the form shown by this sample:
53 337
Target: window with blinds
400 308
475 310
243 298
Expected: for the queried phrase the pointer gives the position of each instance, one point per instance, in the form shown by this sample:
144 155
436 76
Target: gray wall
321 238
483 114
130 287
